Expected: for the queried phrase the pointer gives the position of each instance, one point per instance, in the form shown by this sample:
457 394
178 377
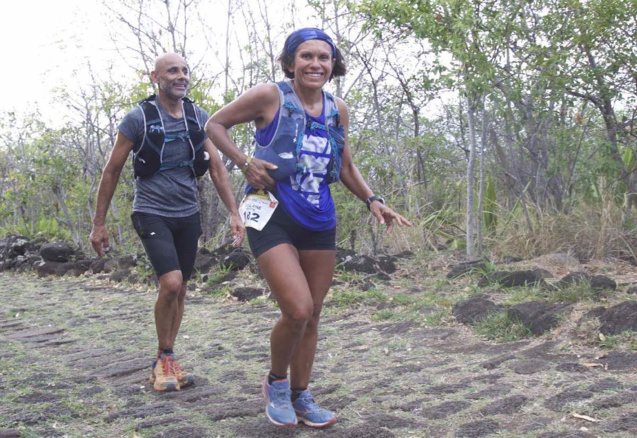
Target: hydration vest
285 146
148 157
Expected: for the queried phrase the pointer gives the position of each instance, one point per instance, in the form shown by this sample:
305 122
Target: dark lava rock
477 429
538 317
236 260
507 406
247 293
530 366
56 252
474 309
619 318
467 268
512 278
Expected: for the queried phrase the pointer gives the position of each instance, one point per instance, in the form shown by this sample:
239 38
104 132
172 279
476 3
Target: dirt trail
75 362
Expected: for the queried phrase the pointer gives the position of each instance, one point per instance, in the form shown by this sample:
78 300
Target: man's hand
99 240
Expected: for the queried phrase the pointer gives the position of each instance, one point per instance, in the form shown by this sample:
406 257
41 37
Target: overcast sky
48 41
45 41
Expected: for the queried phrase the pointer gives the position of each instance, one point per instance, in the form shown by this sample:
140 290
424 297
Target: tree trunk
471 163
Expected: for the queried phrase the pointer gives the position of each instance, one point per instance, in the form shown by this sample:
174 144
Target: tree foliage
527 107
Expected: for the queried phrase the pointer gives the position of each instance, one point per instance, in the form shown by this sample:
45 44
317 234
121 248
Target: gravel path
76 354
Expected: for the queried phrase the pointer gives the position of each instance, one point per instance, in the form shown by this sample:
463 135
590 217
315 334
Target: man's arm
108 183
221 180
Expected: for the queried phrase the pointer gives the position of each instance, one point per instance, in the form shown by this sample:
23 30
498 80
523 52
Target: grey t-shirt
171 192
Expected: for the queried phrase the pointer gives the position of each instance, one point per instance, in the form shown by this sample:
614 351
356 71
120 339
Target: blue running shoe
279 406
309 413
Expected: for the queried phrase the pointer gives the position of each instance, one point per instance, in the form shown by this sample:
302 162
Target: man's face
172 76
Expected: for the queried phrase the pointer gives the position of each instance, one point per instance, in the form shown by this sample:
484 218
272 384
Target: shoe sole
276 423
315 425
182 384
170 388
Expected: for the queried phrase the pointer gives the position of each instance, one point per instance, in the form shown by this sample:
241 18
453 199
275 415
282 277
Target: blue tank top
305 196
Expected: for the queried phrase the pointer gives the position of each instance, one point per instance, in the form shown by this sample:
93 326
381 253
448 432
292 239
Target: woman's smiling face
313 64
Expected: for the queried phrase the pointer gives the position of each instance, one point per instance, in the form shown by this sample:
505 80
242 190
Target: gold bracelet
246 164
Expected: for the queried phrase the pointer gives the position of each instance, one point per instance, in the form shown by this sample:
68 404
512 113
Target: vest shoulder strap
292 100
153 124
189 111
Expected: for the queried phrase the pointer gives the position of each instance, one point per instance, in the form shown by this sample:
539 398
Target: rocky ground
75 356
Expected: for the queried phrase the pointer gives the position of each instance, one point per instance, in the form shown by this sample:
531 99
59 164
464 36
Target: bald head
171 75
168 58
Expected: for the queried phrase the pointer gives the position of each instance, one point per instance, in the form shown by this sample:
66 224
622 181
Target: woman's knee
298 315
313 322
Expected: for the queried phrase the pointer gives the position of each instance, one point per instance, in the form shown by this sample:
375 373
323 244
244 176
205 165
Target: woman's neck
311 99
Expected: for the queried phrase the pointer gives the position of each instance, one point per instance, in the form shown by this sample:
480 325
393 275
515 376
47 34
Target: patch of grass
518 295
217 275
346 276
348 299
499 327
386 315
219 292
485 268
402 300
260 301
439 318
573 294
624 341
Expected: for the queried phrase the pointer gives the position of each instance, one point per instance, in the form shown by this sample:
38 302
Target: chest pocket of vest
284 152
147 156
201 159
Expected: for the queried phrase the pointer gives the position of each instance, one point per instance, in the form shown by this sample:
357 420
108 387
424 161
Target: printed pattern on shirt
314 158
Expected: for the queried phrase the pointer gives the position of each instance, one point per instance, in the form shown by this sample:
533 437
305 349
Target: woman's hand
386 215
257 175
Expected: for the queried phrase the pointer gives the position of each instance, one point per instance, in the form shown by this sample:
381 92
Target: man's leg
185 232
169 308
168 315
171 246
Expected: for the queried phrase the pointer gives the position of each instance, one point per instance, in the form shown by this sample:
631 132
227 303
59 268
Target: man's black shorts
170 242
282 229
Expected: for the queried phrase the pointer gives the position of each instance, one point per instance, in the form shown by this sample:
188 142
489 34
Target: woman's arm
259 105
354 181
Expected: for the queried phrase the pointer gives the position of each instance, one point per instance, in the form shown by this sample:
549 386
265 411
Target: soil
76 354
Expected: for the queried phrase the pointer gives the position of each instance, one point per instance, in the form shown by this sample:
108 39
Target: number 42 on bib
256 209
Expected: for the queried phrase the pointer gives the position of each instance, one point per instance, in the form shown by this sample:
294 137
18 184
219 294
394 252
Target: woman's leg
282 270
318 268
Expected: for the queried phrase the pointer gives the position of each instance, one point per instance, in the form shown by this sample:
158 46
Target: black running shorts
170 242
281 229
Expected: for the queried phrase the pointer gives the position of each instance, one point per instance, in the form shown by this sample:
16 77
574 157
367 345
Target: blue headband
308 33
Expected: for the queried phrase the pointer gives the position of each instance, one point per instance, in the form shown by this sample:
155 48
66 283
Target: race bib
256 209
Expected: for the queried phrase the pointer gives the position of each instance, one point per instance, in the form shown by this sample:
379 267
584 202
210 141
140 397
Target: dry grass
599 231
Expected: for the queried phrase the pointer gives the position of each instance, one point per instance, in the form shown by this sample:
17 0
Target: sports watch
371 199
